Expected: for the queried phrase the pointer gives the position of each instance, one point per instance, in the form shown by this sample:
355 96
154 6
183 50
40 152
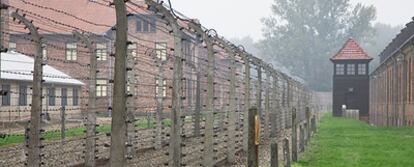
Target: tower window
340 69
362 69
350 69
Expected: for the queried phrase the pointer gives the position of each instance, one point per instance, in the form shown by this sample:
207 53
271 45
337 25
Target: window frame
101 51
101 88
161 52
163 87
75 97
145 24
51 92
360 69
22 96
5 100
63 97
350 69
71 51
14 48
339 69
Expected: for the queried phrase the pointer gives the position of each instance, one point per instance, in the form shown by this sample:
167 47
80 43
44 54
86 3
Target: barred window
101 87
340 69
71 52
101 51
161 50
362 69
132 50
350 69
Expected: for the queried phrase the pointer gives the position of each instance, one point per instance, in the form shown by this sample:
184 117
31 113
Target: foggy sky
239 18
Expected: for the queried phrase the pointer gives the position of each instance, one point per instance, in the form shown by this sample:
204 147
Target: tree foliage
304 34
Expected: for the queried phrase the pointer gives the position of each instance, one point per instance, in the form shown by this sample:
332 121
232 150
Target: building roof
85 9
84 15
351 51
406 34
16 66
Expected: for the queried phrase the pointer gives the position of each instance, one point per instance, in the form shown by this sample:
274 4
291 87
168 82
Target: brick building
152 44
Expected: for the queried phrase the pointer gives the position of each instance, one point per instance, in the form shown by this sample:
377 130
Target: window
132 50
71 52
160 87
75 97
340 69
101 52
101 87
161 50
362 69
22 95
64 97
350 69
5 101
145 24
51 94
12 46
44 51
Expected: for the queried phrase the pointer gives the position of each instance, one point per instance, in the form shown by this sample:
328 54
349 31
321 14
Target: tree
304 34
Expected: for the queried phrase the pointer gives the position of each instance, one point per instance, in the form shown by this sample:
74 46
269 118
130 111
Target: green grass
349 143
74 132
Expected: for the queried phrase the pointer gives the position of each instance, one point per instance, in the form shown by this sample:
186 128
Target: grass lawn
74 132
349 143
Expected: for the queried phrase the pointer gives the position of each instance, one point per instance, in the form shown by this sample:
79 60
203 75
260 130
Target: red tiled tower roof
351 51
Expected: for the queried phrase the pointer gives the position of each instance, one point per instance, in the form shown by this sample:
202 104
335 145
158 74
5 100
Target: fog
239 18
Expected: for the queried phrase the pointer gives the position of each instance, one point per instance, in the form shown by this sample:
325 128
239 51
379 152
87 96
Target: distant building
351 80
59 89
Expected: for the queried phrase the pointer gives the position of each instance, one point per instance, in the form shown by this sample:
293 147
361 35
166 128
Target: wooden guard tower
351 80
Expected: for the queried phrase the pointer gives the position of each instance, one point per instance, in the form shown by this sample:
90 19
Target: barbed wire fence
178 99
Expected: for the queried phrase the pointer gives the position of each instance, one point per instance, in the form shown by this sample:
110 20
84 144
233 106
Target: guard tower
351 80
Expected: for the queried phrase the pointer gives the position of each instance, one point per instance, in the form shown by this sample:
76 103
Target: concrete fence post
253 148
34 158
267 105
294 136
130 104
209 123
175 150
308 124
62 125
246 99
208 160
91 113
259 90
